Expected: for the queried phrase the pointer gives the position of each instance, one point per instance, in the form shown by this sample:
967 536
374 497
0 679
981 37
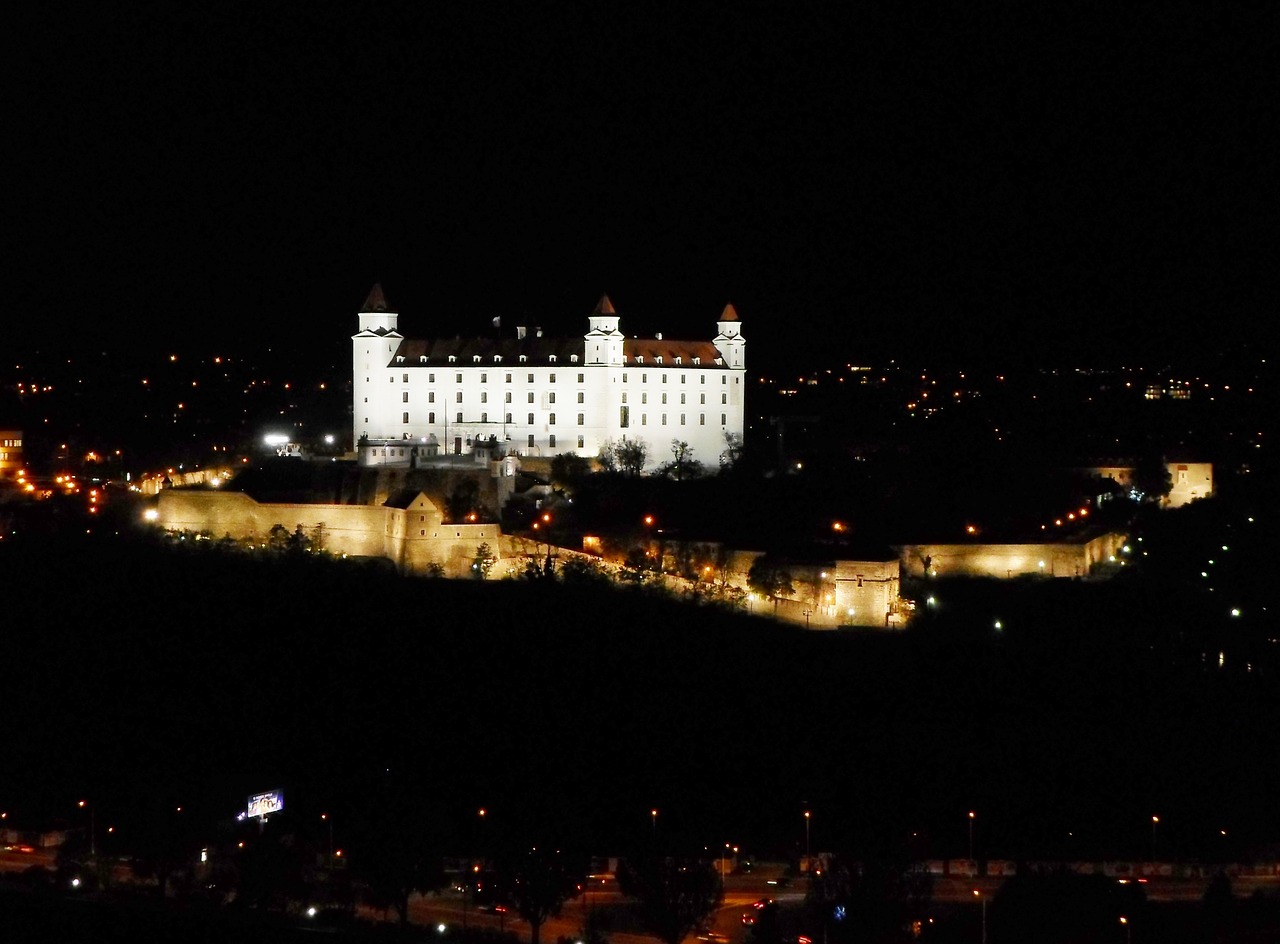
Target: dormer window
475 359
399 358
552 358
658 359
677 362
719 361
452 358
523 358
697 361
639 358
573 358
422 359
497 358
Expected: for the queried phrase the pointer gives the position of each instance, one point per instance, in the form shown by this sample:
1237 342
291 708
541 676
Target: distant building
1189 480
538 396
11 460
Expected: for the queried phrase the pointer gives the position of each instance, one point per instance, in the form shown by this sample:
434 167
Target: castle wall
1011 560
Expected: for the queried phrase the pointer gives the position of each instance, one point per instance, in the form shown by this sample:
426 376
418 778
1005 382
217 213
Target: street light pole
808 862
982 898
654 816
1155 821
972 817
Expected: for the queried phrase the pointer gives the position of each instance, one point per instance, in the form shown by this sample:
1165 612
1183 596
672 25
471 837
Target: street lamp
972 817
982 898
1155 821
325 818
808 865
92 845
1128 929
654 815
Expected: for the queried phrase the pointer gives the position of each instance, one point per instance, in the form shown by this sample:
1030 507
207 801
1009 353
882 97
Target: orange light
648 519
338 854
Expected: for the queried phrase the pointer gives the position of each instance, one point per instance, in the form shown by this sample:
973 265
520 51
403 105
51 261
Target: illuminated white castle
543 396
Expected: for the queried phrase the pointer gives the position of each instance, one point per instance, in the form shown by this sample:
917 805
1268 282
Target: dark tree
631 456
568 469
1151 477
769 578
538 884
676 895
396 851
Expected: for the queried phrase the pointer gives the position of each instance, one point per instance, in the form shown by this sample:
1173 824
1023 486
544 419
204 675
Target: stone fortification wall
1076 559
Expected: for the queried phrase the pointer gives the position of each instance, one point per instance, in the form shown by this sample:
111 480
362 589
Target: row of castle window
551 397
551 419
551 378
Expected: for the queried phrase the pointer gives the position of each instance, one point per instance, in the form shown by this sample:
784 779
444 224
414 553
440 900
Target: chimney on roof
520 332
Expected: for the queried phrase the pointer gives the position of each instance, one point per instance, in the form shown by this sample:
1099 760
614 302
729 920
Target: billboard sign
260 804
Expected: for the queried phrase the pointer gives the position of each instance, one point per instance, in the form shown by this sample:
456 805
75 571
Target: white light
1042 563
151 514
1234 611
440 927
311 912
328 440
75 883
999 625
275 439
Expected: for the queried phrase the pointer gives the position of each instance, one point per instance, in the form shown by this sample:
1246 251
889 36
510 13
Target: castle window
573 358
431 378
422 359
580 377
531 440
530 396
664 419
509 418
431 396
475 358
457 397
484 396
484 417
724 398
697 361
639 358
644 378
644 397
644 419
624 396
682 378
404 397
719 361
664 398
399 358
523 358
552 441
431 418
404 417
552 377
484 378
723 420
530 419
681 419
459 419
664 376
551 397
452 358
658 360
724 379
508 380
582 441
531 378
457 378
552 359
702 398
582 418
682 399
508 395
580 396
702 419
624 378
497 358
551 420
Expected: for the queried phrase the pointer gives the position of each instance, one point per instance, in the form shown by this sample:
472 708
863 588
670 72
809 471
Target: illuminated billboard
260 804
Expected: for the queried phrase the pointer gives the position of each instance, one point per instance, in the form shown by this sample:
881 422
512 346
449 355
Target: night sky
1088 184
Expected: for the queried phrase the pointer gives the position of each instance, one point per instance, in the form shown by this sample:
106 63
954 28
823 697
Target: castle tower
729 341
604 340
372 349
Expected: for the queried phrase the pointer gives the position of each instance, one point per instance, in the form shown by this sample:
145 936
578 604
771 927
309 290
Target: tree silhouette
769 578
676 895
538 883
